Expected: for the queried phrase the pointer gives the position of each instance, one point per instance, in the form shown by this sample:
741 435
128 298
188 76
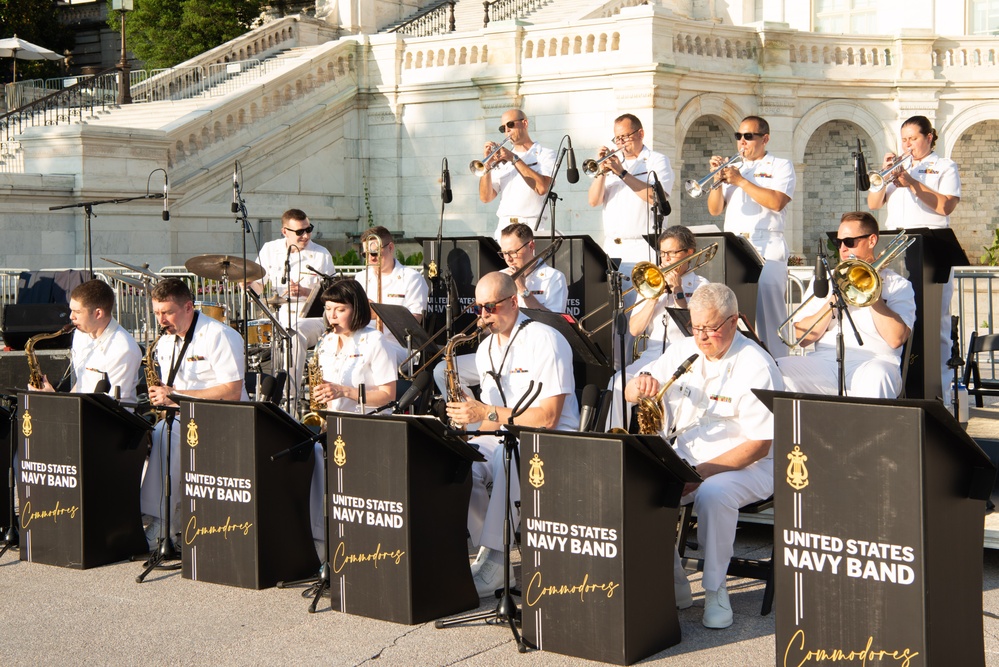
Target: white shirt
713 405
403 287
899 297
626 214
535 352
548 286
517 199
906 211
662 330
762 226
362 359
273 255
214 357
114 352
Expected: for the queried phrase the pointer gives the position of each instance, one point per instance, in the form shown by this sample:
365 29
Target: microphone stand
280 333
242 218
861 181
619 317
11 538
551 196
506 610
955 362
165 549
840 309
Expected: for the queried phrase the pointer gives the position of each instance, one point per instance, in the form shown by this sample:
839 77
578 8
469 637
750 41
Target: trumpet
649 281
858 282
696 188
479 168
592 167
880 179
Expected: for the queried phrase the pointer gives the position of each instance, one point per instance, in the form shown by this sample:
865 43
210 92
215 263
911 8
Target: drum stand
165 550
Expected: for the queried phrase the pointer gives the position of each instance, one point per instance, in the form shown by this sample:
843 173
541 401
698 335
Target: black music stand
625 489
81 463
403 325
903 476
582 345
739 268
681 317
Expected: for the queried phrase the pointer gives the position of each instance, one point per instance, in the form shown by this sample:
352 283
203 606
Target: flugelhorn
695 189
478 167
880 179
858 282
592 167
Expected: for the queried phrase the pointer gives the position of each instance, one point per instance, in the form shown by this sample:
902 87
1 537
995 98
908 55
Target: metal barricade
976 292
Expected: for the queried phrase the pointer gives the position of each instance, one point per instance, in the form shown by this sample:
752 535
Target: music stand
402 324
681 317
313 306
567 325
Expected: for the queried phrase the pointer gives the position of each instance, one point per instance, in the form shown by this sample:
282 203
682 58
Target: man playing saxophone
101 347
518 351
721 428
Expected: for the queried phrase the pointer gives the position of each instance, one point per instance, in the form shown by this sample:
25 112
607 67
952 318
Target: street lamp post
124 85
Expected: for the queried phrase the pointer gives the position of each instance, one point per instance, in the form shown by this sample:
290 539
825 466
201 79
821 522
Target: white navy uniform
114 352
403 287
518 201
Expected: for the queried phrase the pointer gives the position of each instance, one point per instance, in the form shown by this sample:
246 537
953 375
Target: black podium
397 503
245 518
737 264
878 528
80 464
598 526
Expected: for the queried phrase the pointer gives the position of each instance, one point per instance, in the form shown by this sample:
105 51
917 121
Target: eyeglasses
711 331
850 241
489 308
621 138
510 254
300 232
510 124
748 136
670 254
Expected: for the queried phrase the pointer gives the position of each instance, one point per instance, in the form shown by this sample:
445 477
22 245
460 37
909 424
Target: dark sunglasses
748 136
489 308
300 232
509 124
850 241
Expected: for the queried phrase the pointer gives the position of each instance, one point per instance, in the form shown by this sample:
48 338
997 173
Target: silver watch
492 415
526 293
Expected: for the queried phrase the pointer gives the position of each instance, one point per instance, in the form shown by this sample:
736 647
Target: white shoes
488 578
480 558
684 598
717 609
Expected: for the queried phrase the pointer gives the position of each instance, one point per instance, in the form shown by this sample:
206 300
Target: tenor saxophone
153 378
452 379
35 378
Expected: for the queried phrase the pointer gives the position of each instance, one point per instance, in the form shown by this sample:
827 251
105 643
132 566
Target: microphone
410 396
661 201
572 173
361 396
588 407
287 264
166 197
684 367
324 276
446 184
235 187
863 180
820 286
103 385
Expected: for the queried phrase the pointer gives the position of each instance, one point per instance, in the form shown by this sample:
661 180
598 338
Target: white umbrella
17 48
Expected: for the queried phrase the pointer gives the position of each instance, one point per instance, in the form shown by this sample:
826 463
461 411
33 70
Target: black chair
749 568
972 375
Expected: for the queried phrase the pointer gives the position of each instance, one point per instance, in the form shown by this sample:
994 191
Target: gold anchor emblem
339 451
192 433
536 476
797 473
26 424
432 269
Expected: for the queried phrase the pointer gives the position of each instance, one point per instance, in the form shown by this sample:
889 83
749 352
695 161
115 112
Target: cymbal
224 267
137 269
128 281
277 300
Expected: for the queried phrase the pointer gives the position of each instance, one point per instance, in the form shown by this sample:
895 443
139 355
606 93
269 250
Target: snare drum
214 310
258 332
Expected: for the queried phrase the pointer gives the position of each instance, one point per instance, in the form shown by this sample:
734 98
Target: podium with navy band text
244 517
397 502
878 529
80 464
598 524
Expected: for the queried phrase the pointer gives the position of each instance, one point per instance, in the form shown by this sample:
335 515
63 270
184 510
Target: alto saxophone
452 380
650 412
314 372
35 377
153 378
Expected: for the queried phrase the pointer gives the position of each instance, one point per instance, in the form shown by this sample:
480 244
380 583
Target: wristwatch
526 293
492 415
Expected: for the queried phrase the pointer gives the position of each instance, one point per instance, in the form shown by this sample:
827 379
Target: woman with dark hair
352 352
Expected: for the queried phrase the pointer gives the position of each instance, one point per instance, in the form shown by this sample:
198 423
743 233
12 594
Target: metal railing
81 100
436 19
168 84
976 294
504 10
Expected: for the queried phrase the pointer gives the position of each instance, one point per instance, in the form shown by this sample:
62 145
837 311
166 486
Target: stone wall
977 215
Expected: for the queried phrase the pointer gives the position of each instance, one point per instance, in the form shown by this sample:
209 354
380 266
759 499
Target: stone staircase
469 15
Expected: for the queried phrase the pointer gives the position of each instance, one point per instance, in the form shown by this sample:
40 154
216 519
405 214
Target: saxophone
35 377
650 412
452 381
153 378
314 373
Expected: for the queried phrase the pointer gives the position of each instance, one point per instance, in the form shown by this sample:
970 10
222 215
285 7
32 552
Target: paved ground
101 616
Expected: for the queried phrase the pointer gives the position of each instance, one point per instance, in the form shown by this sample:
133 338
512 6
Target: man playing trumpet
872 369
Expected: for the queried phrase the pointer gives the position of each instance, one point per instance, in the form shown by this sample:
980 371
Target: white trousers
151 492
717 502
818 373
771 306
316 489
308 331
486 507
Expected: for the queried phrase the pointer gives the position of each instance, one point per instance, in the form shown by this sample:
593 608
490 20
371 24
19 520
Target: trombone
592 167
650 282
478 167
696 188
880 179
858 282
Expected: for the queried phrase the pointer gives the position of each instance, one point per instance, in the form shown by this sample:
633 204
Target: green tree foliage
163 33
37 22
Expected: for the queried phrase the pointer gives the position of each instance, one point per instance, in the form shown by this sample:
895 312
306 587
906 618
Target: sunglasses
748 136
510 124
300 232
488 308
850 241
